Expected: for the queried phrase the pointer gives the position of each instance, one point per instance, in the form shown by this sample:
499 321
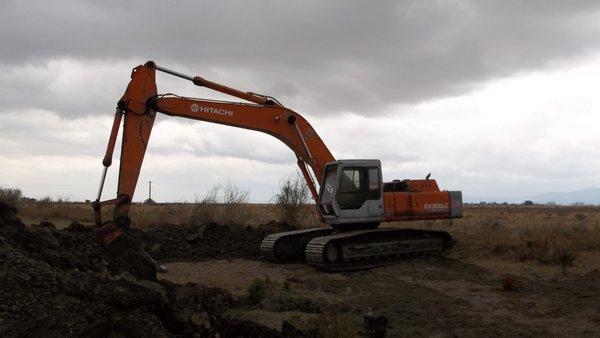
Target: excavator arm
139 105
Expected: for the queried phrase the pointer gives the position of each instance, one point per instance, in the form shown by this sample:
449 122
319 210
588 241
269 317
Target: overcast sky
499 99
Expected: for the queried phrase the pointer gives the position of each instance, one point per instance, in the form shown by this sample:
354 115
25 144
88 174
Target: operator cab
352 193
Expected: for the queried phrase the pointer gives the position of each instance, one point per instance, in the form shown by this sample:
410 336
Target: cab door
359 195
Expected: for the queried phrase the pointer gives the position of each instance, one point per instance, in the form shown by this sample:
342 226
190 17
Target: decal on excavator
197 108
441 206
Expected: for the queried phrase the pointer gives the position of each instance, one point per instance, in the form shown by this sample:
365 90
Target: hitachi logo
197 108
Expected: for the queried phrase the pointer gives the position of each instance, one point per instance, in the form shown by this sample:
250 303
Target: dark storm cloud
323 55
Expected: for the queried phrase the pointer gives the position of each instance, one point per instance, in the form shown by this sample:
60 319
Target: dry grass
544 234
145 216
52 210
334 323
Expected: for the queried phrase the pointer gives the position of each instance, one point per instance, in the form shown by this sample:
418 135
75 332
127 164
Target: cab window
329 183
356 185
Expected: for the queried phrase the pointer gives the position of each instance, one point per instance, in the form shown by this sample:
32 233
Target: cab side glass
329 183
374 184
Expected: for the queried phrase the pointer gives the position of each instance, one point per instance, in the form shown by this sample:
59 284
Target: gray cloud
64 64
319 56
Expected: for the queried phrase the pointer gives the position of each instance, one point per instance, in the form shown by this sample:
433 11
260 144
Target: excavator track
289 246
362 249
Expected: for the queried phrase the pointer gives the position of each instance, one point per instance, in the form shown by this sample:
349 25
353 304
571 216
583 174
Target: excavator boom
350 194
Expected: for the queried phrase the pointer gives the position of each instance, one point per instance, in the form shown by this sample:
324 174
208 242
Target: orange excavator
350 195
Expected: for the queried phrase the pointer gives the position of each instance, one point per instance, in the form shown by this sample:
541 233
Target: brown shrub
226 204
206 210
546 252
12 197
235 205
291 200
509 283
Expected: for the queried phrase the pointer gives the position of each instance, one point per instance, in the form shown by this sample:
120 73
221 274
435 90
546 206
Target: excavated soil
198 243
59 283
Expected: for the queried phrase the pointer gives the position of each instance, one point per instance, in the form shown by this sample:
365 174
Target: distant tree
149 201
528 203
26 200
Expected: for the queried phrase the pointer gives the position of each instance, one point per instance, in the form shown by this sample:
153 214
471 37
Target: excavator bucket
113 236
119 246
116 241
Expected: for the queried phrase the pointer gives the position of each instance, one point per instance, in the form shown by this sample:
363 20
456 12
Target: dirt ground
428 296
515 271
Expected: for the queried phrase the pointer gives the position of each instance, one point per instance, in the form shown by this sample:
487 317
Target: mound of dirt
59 283
8 215
170 242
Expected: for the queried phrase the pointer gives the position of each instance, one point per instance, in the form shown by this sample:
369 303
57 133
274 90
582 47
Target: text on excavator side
198 108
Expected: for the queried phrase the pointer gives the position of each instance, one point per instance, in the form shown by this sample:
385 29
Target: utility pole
150 190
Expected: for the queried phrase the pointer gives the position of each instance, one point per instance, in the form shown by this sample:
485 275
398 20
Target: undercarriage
334 250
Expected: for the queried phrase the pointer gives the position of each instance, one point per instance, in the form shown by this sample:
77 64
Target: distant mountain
585 196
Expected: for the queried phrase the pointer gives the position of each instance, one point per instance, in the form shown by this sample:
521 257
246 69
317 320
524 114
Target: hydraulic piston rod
199 81
107 161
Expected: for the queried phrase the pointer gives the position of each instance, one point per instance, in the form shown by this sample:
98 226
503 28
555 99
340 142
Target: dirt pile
59 283
170 242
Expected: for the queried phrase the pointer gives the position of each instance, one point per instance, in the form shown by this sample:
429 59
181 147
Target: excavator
350 195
